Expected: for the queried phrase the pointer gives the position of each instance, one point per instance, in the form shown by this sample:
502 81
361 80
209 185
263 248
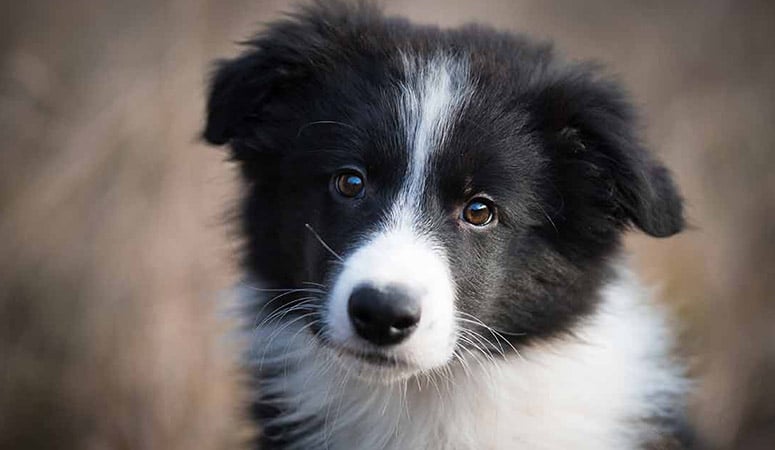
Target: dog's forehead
431 99
421 124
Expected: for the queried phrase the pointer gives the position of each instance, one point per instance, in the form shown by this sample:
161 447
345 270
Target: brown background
113 246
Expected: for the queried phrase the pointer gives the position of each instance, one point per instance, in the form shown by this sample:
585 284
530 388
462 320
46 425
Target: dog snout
385 315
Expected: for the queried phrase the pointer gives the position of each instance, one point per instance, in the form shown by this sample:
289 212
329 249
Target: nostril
362 315
383 316
406 322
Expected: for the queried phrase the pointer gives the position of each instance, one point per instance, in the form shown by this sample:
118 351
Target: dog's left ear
590 126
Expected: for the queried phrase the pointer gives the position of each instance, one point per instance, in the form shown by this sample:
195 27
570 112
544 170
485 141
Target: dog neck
604 385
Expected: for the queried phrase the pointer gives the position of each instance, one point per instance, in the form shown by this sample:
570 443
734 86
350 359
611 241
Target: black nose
383 316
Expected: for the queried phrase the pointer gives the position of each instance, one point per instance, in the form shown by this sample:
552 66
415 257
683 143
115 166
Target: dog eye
479 212
349 184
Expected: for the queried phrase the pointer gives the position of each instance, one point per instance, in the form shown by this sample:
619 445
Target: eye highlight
479 212
349 184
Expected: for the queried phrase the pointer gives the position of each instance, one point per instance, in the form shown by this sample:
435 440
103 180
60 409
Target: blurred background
114 246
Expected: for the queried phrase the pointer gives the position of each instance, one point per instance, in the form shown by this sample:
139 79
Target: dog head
443 192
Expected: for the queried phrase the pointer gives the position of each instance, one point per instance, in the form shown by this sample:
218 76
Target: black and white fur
533 333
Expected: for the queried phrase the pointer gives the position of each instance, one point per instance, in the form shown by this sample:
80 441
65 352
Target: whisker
322 242
490 327
278 332
255 288
280 312
283 294
496 333
323 122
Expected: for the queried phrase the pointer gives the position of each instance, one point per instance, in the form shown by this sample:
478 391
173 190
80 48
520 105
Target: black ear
274 64
278 61
604 169
237 90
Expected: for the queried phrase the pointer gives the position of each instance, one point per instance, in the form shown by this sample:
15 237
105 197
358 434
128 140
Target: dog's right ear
242 87
277 62
236 90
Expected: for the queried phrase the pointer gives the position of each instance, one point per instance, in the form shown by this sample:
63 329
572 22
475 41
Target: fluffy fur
532 333
600 389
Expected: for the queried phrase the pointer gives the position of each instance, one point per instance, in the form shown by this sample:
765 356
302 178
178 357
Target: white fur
401 253
586 391
434 94
399 256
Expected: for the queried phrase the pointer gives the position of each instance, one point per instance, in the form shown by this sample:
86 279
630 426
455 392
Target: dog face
450 193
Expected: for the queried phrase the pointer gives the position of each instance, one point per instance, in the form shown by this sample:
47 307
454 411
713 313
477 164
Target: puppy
433 223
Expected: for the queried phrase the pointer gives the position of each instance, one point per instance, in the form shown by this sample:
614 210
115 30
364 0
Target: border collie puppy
433 223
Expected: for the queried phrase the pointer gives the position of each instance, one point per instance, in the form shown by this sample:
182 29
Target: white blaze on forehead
435 92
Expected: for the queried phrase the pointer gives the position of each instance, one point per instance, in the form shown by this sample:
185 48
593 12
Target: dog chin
375 373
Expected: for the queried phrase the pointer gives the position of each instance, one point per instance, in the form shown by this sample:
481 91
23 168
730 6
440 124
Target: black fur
554 143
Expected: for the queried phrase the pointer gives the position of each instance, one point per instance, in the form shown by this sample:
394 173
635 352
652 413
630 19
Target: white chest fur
592 390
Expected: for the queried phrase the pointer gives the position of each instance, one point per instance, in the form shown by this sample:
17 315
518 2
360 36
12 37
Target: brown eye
349 184
478 212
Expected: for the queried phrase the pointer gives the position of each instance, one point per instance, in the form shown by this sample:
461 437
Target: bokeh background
114 249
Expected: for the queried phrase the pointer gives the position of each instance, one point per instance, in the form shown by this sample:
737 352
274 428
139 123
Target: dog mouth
374 358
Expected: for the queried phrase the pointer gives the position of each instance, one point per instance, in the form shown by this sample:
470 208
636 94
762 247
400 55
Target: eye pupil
349 184
478 212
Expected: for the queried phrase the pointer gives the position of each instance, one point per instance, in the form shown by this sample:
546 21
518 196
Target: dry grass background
113 249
